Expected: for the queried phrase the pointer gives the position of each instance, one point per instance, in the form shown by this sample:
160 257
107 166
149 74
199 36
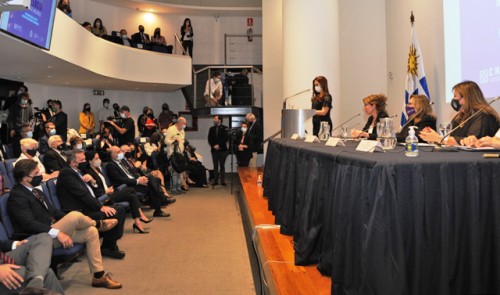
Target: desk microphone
418 113
343 123
286 98
440 148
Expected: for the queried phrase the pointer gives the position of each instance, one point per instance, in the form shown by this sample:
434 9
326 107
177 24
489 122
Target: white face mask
106 105
29 134
183 127
24 101
123 115
317 88
243 129
97 163
79 146
52 132
120 156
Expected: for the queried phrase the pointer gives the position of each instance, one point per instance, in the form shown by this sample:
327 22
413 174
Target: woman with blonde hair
467 100
420 114
374 106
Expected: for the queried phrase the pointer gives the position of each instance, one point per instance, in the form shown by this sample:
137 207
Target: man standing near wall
217 138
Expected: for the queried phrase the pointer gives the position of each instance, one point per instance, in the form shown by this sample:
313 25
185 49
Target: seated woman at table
420 114
374 106
467 100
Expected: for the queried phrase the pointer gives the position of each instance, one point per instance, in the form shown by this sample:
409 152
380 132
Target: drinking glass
444 129
344 131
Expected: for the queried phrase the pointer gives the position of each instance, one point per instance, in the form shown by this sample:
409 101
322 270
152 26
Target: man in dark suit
74 193
43 143
256 137
28 265
60 119
53 159
217 138
119 174
32 213
124 39
141 39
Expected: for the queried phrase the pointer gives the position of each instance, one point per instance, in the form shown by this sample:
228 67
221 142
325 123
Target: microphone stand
347 121
441 148
406 124
286 98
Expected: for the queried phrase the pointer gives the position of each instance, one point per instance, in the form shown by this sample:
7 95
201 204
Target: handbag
177 160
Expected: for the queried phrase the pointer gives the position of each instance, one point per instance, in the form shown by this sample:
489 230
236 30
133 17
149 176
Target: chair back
6 178
51 185
9 164
4 215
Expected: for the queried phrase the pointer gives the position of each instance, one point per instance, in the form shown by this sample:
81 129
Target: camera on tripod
232 133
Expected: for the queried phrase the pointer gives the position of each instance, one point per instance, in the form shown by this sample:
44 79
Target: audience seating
59 255
9 164
6 178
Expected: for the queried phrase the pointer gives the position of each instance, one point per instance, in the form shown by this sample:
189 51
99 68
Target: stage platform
271 253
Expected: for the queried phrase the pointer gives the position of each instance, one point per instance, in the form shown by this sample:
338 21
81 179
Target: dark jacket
256 136
118 177
74 194
425 121
373 135
61 121
53 161
480 126
218 135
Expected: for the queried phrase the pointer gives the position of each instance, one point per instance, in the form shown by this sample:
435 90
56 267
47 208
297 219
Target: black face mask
36 180
455 105
141 30
82 166
129 155
31 152
60 147
87 109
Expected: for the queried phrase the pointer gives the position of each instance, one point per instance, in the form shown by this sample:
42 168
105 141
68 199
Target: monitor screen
34 25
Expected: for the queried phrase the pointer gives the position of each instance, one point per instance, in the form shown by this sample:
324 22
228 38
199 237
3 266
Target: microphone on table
440 148
286 98
347 121
418 113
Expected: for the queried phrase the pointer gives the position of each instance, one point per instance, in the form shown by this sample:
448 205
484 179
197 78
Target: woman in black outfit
124 195
420 115
322 103
195 169
187 36
374 106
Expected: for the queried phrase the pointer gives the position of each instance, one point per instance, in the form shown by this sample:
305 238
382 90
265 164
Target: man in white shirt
213 90
104 112
174 139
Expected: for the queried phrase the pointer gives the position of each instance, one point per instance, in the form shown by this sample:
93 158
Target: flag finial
412 18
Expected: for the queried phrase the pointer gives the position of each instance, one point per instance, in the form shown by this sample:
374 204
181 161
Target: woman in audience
76 143
420 114
150 124
29 150
187 36
151 150
158 39
126 194
98 28
87 121
65 6
467 100
196 172
374 106
322 103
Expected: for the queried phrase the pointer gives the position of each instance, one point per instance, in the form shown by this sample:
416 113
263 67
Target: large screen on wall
472 44
34 25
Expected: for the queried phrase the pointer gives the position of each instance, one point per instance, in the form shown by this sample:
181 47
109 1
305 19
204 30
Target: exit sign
98 92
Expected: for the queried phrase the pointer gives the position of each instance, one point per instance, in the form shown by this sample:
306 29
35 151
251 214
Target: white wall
208 31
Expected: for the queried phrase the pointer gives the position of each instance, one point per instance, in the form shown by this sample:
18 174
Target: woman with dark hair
321 102
196 172
419 111
150 123
187 36
141 120
98 28
374 106
87 120
124 195
158 38
467 100
65 6
76 143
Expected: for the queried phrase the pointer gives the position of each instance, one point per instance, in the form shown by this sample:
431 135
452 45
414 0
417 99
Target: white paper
143 139
295 136
369 146
311 138
334 141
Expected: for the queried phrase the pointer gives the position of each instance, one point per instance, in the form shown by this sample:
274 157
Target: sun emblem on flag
412 61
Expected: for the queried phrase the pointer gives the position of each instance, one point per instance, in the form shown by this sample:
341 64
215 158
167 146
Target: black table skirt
382 223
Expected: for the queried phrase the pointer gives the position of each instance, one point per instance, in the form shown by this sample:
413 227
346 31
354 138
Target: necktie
216 132
39 196
6 259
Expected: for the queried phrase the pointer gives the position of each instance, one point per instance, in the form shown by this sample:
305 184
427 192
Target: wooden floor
275 251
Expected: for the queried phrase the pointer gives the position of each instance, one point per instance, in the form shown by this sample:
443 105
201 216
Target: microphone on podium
343 123
286 98
440 148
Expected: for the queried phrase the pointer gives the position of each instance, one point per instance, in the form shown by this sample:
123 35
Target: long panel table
383 223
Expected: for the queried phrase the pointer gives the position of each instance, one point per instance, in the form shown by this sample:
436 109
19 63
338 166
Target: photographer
217 138
124 127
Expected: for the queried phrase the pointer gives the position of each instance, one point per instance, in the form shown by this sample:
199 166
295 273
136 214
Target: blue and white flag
415 74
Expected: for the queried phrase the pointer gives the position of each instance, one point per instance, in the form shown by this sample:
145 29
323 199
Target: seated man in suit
119 174
29 150
74 193
49 130
27 264
32 213
124 39
141 39
53 159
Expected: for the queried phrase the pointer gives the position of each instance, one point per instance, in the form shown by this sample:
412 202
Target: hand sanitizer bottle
411 146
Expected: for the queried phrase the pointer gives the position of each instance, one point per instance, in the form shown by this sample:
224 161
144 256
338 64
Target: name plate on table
311 138
334 141
369 146
295 136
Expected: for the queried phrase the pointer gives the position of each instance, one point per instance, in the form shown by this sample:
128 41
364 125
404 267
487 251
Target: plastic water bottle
259 180
411 146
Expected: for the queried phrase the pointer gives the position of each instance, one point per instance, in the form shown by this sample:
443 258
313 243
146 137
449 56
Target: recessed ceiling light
50 67
49 76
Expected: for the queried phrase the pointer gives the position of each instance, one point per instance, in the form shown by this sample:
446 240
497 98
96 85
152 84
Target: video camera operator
124 127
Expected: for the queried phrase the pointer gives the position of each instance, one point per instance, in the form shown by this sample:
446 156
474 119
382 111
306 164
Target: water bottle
411 143
259 180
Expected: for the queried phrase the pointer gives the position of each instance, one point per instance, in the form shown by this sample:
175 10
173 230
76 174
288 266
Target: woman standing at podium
322 103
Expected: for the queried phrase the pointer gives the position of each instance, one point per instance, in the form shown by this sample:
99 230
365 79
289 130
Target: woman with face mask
419 111
187 34
87 121
467 100
241 146
98 28
321 102
213 90
158 39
